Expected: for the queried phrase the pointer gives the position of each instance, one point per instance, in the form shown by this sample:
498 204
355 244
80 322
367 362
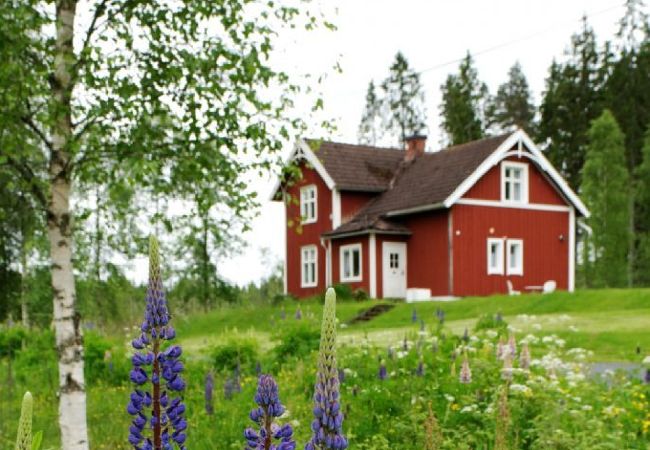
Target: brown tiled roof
427 180
358 167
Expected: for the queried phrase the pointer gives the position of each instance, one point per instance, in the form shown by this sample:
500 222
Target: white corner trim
501 204
500 153
351 247
572 248
336 208
372 262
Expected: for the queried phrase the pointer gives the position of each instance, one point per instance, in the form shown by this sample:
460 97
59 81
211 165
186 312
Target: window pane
507 190
516 173
346 264
356 269
516 191
493 255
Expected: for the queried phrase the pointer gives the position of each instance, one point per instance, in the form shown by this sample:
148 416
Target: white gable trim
302 150
518 138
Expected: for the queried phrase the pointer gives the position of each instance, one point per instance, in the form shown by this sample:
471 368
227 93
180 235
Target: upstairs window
308 204
309 266
351 262
515 257
494 256
514 182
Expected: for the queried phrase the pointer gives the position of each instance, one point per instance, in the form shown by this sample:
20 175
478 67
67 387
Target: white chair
549 286
511 290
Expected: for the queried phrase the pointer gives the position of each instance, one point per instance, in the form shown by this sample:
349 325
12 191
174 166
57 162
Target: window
515 257
308 204
514 182
495 256
393 261
308 266
351 262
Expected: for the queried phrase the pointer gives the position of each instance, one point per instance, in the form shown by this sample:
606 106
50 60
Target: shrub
242 353
360 295
298 342
343 292
102 361
489 321
11 340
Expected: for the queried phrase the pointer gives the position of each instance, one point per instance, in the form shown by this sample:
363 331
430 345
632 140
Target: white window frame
498 268
350 248
505 180
305 259
519 269
307 199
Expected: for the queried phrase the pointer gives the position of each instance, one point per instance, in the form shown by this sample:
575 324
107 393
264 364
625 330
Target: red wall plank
540 189
352 202
307 234
545 254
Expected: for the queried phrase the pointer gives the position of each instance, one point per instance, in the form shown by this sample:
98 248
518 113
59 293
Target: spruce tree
463 104
606 191
405 113
512 106
572 99
642 194
370 126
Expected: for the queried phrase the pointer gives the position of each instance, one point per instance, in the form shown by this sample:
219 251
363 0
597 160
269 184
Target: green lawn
610 323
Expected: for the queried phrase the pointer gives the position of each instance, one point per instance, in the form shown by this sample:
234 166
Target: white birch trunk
69 342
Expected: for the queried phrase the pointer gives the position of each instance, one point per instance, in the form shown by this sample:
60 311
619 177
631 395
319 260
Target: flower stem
157 444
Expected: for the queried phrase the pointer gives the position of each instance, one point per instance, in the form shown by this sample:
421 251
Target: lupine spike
268 409
328 421
24 438
465 376
156 409
209 391
524 357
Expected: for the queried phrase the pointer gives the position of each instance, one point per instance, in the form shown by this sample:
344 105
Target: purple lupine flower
419 371
414 316
230 388
498 318
524 357
258 368
466 335
268 408
209 389
383 373
646 378
506 371
328 419
512 346
500 349
341 376
465 376
298 313
157 363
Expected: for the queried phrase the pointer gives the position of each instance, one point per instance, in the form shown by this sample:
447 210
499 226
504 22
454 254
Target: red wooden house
466 220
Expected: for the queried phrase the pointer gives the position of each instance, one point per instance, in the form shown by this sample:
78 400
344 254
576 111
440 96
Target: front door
394 269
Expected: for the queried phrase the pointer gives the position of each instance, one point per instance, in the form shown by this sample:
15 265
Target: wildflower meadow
488 387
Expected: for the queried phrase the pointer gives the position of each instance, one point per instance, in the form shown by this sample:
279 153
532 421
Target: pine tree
370 126
512 106
606 191
463 103
572 99
405 113
642 194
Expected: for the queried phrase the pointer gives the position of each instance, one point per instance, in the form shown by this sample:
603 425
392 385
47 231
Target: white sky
433 35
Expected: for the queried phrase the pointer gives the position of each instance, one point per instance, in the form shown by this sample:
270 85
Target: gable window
515 257
308 266
514 182
308 204
495 256
351 262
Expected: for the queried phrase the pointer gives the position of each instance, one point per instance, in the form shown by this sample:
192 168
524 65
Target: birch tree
171 98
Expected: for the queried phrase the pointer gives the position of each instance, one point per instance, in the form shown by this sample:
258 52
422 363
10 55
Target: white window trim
520 269
498 270
343 249
524 181
302 266
306 220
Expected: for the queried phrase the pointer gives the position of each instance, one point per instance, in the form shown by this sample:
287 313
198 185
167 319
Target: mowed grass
609 322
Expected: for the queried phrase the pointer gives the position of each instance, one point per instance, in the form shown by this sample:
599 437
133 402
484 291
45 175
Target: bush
11 340
489 321
242 353
296 342
343 292
103 361
360 295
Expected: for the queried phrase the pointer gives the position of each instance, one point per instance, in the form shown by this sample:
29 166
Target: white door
394 269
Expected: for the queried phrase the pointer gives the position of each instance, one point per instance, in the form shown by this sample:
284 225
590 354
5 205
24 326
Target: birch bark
69 341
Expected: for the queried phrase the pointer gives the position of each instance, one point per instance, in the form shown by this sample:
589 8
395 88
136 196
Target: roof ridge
370 147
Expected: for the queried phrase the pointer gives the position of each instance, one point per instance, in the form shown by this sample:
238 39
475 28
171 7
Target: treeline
592 122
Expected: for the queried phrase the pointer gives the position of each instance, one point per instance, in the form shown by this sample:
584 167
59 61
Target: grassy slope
611 322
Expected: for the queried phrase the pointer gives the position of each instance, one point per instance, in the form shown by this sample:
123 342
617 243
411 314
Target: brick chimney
414 146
